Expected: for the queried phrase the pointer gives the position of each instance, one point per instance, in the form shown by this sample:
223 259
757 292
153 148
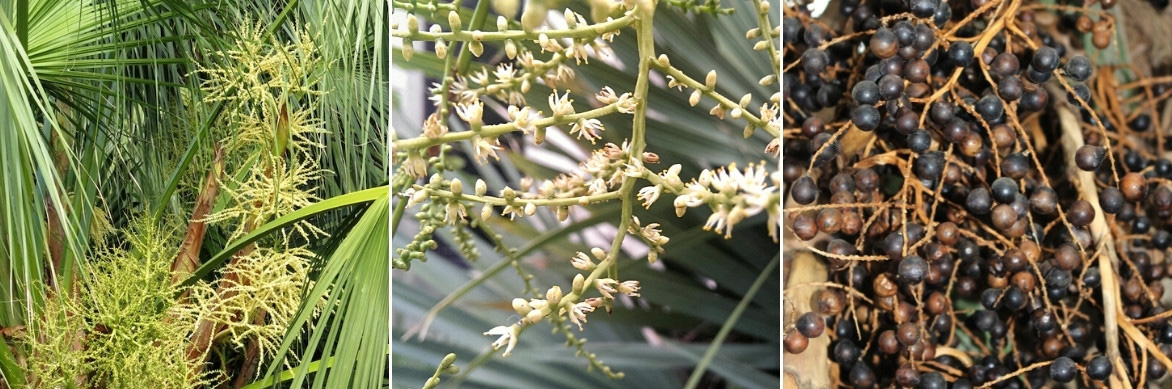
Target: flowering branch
584 31
501 129
738 110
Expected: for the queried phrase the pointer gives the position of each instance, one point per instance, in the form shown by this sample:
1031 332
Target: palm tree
104 126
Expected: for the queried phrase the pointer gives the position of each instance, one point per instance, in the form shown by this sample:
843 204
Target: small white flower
606 286
581 261
629 288
588 128
415 166
471 113
455 212
717 219
578 313
485 149
508 335
649 194
433 128
504 73
597 187
524 118
626 103
606 96
479 77
561 105
512 212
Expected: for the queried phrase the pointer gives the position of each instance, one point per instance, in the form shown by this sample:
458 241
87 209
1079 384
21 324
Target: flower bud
710 80
579 280
511 49
521 306
663 61
481 187
534 317
717 111
753 33
767 80
506 8
563 213
749 130
534 15
554 295
454 20
735 113
412 24
476 48
419 196
508 194
486 212
694 98
441 48
598 253
539 135
571 21
746 99
408 49
456 186
502 24
761 45
530 209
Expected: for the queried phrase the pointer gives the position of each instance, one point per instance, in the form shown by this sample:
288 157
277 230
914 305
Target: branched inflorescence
611 172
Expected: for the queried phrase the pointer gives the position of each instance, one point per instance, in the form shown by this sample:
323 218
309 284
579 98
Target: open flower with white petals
485 149
524 118
649 194
455 212
578 313
606 287
512 211
561 105
581 261
588 128
415 166
629 288
627 103
504 73
472 113
718 220
606 96
480 77
508 336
